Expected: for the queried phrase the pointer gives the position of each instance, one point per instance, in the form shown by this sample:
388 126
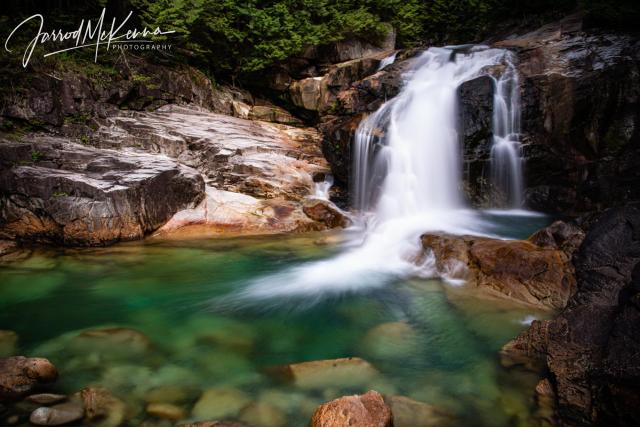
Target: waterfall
506 159
406 155
407 178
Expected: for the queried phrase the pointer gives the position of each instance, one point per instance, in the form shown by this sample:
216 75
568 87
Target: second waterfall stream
407 176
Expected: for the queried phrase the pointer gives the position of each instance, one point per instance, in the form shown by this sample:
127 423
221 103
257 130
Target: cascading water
388 60
407 157
407 178
506 160
321 188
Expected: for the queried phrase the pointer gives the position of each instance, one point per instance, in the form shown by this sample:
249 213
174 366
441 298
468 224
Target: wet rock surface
591 349
366 410
513 269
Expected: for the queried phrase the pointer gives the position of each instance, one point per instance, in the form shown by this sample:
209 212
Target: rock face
53 96
21 375
518 270
367 410
475 116
580 116
257 175
591 349
53 190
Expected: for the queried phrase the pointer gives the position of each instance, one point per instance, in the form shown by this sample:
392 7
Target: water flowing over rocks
366 410
21 375
519 270
590 351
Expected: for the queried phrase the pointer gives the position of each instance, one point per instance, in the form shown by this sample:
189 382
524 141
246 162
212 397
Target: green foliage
232 37
36 156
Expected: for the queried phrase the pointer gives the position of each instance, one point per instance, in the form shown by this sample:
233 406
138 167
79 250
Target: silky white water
506 159
407 179
321 188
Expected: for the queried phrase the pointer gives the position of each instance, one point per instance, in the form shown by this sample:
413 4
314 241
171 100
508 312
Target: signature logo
87 35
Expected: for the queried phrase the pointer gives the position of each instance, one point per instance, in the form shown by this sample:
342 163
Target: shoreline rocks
21 375
589 353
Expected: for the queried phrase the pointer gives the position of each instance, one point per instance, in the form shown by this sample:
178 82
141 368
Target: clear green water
168 291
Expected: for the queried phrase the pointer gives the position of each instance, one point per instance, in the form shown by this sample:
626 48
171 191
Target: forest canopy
235 38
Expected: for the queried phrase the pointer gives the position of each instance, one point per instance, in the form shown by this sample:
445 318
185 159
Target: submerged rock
263 415
111 342
8 343
215 424
57 415
389 340
322 374
220 403
166 410
514 269
21 375
102 407
591 349
412 413
366 410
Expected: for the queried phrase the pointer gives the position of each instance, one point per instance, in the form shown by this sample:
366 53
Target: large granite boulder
56 191
590 352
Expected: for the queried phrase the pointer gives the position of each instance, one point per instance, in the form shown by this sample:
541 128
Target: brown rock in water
325 212
57 415
366 410
514 269
21 375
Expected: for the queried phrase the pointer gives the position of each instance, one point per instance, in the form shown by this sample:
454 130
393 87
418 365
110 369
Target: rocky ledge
57 191
590 352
